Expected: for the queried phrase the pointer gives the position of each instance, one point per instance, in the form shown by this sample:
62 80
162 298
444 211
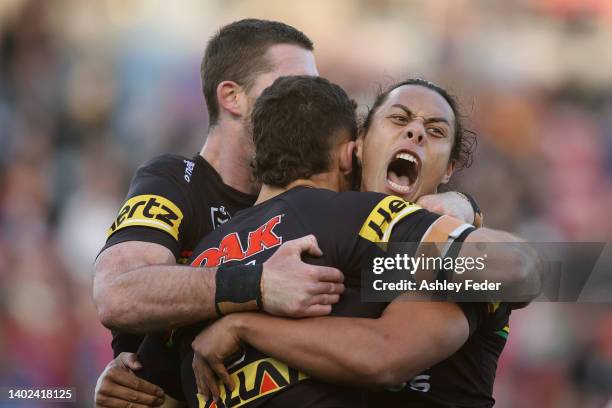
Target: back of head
237 53
297 123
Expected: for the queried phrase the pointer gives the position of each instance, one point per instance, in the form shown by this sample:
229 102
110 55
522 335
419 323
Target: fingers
325 288
197 371
307 244
126 395
221 372
208 381
328 274
317 310
325 299
129 380
130 360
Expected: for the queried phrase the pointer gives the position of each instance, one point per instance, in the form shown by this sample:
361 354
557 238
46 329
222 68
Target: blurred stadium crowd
91 89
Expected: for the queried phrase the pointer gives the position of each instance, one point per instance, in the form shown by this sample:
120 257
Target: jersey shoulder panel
159 206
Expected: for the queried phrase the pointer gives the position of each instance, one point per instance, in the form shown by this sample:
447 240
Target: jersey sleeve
157 209
393 219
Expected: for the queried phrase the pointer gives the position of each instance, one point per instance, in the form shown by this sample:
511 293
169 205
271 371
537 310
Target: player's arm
376 353
137 289
510 261
455 204
505 258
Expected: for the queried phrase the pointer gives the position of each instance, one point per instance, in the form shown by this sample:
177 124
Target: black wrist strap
478 217
238 289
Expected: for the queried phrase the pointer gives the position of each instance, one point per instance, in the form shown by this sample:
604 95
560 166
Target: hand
210 348
293 288
450 203
119 387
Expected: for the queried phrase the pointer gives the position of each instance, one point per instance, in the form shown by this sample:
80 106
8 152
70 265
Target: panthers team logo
219 216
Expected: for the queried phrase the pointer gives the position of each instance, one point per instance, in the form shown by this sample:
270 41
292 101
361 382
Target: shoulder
166 164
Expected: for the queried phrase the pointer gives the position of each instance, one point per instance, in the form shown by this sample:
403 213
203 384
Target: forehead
421 101
289 59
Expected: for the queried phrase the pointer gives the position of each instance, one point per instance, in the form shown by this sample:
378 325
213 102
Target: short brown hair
237 53
297 121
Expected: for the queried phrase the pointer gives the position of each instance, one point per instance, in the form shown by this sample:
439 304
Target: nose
416 133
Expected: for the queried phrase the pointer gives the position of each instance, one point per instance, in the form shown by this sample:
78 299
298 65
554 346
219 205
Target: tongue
401 180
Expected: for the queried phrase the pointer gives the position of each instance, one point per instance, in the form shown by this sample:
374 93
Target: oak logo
149 211
379 224
255 380
231 249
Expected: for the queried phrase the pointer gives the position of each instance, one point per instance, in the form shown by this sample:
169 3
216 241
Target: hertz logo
379 224
149 211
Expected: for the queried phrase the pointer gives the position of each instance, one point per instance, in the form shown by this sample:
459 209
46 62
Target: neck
229 153
322 180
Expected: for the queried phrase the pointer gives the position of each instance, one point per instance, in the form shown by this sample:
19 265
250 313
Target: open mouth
403 172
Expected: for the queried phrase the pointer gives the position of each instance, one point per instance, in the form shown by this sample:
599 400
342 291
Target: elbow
381 371
389 380
111 313
108 312
386 376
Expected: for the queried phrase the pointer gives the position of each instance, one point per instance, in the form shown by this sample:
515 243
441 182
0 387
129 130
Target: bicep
422 334
126 256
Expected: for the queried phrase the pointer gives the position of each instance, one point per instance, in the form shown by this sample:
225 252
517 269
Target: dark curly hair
465 140
297 121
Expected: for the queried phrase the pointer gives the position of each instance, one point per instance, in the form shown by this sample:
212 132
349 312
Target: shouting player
303 132
174 201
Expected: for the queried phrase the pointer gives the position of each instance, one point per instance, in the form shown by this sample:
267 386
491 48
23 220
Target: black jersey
345 225
465 379
173 201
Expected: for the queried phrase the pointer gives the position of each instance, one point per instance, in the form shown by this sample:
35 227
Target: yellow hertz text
379 224
255 380
149 211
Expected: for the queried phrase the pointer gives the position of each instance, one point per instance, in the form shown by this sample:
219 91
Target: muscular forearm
355 351
156 297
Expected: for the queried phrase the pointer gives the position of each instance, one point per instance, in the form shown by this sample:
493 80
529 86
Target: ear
230 98
346 157
450 169
359 148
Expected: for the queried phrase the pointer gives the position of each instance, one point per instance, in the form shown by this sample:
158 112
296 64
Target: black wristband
238 289
478 217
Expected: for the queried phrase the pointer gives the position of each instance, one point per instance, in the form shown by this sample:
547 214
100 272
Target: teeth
398 188
406 156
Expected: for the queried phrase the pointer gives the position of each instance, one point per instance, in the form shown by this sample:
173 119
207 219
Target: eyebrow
427 120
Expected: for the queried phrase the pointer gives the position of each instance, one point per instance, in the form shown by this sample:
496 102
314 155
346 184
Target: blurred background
91 89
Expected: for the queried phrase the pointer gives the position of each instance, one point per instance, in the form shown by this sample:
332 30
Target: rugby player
310 115
173 201
159 223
